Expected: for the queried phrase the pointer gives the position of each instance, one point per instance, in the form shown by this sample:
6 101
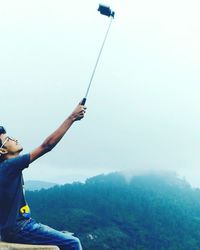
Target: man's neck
11 155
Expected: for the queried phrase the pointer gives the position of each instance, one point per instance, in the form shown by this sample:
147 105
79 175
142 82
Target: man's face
10 144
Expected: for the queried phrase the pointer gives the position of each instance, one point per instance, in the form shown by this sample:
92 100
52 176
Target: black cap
2 130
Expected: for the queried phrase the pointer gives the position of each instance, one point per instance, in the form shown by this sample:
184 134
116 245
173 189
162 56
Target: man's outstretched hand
51 141
78 113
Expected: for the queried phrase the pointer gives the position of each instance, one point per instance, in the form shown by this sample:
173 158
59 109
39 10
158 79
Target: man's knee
72 243
76 244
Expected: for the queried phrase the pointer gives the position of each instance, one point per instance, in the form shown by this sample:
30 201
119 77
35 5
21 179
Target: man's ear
3 151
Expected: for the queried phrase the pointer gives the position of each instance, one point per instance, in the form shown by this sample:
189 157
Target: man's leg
39 234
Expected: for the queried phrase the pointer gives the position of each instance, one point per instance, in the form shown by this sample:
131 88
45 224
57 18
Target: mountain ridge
33 185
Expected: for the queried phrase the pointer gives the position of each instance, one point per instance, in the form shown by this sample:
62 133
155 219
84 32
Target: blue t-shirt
13 206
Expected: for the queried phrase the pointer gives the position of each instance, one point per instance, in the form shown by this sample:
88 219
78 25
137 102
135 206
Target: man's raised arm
51 141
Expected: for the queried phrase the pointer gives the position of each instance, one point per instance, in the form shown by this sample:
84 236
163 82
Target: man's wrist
71 118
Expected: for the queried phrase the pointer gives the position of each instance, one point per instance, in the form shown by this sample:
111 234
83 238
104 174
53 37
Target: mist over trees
150 212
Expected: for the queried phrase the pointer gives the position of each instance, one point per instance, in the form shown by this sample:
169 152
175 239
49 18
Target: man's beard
18 151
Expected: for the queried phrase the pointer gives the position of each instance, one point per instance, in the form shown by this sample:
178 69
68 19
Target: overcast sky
143 107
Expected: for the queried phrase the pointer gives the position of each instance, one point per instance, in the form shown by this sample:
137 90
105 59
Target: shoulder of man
15 164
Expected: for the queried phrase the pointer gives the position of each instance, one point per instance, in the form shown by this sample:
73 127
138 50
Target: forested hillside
150 212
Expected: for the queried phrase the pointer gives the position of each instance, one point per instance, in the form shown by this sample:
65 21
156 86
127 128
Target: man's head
9 147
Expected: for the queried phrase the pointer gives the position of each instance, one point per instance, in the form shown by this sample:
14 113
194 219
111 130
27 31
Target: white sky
143 107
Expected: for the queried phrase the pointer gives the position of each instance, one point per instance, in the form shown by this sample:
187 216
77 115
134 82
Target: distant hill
148 212
37 185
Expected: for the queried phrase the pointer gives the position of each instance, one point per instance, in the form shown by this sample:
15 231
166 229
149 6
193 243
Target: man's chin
19 150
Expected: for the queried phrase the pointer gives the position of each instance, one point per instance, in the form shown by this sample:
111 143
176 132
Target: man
16 224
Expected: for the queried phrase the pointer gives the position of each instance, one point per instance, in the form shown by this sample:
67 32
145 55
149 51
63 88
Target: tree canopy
152 211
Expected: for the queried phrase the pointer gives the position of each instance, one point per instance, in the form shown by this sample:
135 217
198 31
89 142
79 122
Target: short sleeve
16 164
